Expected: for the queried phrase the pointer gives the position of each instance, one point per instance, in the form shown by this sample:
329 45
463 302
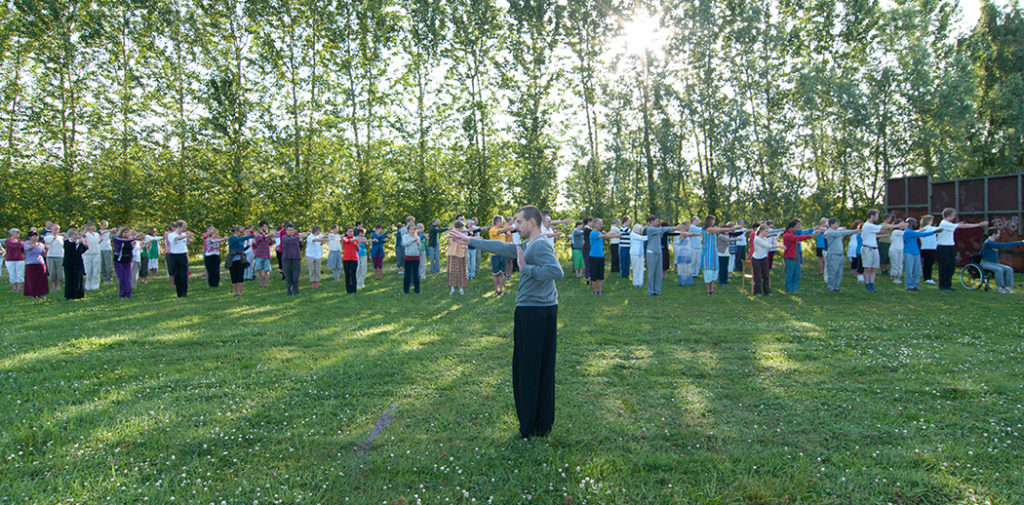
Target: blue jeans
435 262
471 261
793 274
911 270
624 261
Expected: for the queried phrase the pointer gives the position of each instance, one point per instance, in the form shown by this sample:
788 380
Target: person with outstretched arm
535 329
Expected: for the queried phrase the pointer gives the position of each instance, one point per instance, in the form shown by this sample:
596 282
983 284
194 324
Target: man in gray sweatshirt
834 257
654 272
535 329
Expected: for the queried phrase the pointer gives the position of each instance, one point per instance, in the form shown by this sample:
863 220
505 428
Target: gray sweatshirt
654 234
410 245
537 277
834 240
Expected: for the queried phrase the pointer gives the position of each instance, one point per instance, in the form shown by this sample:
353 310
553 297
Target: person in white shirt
695 245
106 252
54 257
315 254
636 252
177 256
929 247
869 256
946 253
334 252
896 253
91 257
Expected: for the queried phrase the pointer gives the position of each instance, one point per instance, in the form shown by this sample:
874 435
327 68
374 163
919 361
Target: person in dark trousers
177 257
535 329
74 267
946 253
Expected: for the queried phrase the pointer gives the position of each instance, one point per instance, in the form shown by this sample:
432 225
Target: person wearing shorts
261 250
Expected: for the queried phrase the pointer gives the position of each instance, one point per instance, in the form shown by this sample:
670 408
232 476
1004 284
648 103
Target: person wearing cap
15 259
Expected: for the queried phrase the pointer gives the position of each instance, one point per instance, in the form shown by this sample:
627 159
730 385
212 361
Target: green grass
816 398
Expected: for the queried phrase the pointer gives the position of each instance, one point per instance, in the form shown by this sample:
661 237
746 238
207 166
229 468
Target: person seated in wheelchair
989 260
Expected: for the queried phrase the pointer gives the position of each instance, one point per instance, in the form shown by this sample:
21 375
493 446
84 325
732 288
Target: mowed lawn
843 398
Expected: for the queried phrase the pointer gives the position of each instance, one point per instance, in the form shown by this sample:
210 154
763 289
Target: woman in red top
15 258
350 257
789 241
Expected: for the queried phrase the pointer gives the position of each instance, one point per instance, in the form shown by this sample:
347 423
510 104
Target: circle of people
79 259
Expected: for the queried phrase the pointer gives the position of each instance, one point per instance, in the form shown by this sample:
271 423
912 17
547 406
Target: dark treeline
228 111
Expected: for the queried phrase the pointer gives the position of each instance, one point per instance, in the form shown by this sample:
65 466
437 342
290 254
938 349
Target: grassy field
843 398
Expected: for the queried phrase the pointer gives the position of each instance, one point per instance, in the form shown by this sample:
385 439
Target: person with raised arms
637 247
106 252
334 252
432 249
457 269
709 255
37 285
237 261
577 249
291 257
315 254
177 257
377 239
990 260
74 267
946 251
361 262
655 273
869 255
411 244
211 255
762 243
792 256
597 254
912 254
535 323
834 254
261 245
624 255
54 256
350 242
123 256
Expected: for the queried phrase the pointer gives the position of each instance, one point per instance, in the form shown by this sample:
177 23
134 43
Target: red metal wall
997 199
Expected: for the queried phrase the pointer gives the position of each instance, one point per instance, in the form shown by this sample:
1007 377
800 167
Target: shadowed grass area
814 398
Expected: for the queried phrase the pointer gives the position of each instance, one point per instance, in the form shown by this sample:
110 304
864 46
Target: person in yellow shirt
497 231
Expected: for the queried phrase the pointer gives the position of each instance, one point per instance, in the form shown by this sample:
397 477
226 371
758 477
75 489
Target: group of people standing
79 260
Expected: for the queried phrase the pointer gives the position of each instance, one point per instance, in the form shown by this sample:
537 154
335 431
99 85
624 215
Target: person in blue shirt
990 260
912 254
597 254
377 239
820 247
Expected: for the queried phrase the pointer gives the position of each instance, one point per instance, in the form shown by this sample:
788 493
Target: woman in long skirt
458 274
74 266
37 283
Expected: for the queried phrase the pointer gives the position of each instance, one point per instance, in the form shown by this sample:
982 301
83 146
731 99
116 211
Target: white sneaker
452 292
1001 290
460 291
897 281
1009 291
929 281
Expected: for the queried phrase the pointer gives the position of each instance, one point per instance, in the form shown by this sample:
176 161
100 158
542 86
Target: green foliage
229 111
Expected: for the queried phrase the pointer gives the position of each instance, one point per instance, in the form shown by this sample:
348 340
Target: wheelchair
973 277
